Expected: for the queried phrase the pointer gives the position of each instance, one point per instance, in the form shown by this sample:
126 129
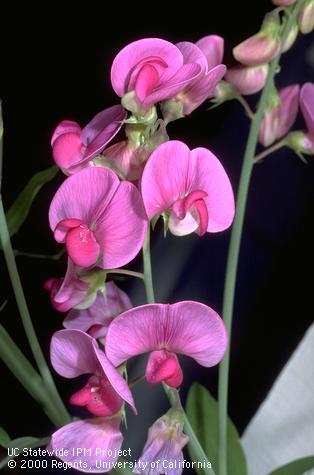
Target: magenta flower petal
307 105
122 229
192 54
68 292
160 51
289 97
209 175
102 311
68 150
188 328
212 47
165 177
172 173
73 353
172 87
202 88
101 130
100 436
65 127
120 235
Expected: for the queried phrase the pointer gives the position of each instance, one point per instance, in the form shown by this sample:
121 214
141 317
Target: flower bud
300 142
280 115
306 17
283 3
292 36
261 47
247 79
224 91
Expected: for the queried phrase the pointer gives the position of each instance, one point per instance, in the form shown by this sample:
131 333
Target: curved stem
26 319
148 268
34 255
235 242
172 394
269 150
132 273
246 107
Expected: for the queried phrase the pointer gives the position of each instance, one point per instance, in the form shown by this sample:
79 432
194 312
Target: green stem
172 394
53 257
26 319
148 269
269 150
246 107
235 242
132 273
24 372
175 401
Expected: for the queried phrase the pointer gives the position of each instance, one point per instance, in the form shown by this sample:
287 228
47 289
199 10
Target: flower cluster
102 213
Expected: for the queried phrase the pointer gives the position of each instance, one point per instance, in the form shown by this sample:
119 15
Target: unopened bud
247 79
292 36
306 17
300 142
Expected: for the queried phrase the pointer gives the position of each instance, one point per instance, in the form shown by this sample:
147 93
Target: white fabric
283 428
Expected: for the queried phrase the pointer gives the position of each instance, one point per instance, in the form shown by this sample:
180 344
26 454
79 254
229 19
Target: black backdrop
55 64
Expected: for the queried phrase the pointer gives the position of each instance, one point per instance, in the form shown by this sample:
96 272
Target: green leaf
122 470
202 411
22 442
5 439
18 212
297 467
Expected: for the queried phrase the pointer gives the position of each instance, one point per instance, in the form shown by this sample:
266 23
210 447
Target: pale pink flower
278 119
73 148
207 52
247 79
151 70
101 438
188 328
164 444
258 49
68 292
96 318
74 353
191 187
283 3
101 220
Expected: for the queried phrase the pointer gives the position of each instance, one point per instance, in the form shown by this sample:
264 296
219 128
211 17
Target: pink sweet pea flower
191 187
307 105
188 328
278 120
208 54
165 442
100 436
74 353
96 319
151 70
73 148
101 220
68 292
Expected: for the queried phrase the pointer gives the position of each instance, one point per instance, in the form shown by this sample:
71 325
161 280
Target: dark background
55 64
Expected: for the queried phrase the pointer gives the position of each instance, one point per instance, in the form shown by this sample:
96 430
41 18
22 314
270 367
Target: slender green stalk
175 401
132 273
173 395
148 279
24 372
26 319
269 150
246 106
235 242
34 255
